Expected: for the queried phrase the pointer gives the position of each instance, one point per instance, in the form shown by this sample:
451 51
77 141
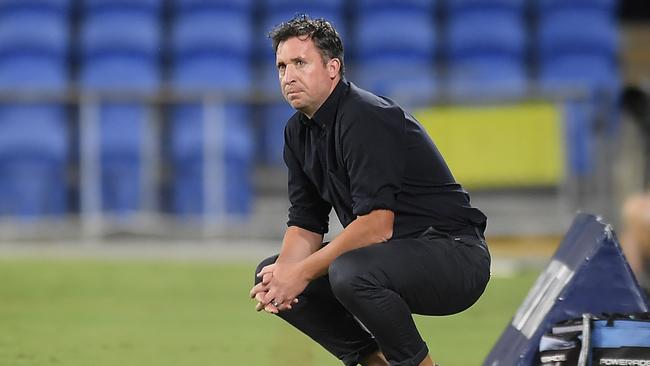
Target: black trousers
367 299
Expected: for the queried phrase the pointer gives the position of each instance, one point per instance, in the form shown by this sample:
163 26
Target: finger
262 305
266 279
270 295
289 305
269 308
260 287
266 269
260 298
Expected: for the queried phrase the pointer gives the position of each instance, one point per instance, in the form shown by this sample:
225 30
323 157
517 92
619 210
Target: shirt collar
327 112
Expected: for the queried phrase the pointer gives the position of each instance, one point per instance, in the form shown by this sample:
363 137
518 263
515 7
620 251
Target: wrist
305 270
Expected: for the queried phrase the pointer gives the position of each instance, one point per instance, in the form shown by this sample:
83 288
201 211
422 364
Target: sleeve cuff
318 229
364 206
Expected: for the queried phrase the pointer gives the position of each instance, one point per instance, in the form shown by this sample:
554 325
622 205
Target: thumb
267 269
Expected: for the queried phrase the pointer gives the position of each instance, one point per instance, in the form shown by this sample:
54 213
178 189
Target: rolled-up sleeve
373 151
307 209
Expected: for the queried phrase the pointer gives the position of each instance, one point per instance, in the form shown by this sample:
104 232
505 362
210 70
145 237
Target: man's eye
300 62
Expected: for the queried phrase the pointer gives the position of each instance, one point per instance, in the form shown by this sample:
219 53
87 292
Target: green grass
121 313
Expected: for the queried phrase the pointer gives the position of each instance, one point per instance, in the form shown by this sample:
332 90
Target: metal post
150 166
90 167
213 166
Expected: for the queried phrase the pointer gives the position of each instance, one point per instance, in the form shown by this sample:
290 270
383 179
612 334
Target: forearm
299 244
376 227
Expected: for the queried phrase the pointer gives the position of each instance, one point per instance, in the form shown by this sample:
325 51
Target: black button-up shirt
362 152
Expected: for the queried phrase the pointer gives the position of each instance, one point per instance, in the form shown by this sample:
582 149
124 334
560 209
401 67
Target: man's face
305 79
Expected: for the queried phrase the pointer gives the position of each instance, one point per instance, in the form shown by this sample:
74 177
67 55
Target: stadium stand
577 48
120 43
578 44
394 45
216 62
486 48
34 145
207 58
188 159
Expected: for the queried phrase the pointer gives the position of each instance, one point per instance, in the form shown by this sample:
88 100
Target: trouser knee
348 277
264 263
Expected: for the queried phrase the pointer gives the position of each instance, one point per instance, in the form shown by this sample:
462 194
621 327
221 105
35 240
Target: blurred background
141 173
163 118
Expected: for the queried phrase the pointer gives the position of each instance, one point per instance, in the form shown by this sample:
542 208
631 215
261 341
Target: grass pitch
123 313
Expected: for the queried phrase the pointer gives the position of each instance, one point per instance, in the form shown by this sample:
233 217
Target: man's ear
333 67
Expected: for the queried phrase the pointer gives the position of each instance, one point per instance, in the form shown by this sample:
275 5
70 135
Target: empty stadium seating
205 59
215 56
232 157
34 145
120 43
577 44
394 46
211 46
486 48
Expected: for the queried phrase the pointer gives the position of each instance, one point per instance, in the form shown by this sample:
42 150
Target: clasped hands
281 284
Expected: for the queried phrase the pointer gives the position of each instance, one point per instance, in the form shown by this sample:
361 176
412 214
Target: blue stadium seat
486 32
121 49
60 7
582 74
209 59
461 5
578 44
34 43
369 6
487 77
123 130
394 52
578 30
209 5
33 160
97 6
187 157
485 48
395 33
411 80
545 7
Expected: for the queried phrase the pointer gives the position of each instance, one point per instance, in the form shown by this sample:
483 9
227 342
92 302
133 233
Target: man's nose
289 75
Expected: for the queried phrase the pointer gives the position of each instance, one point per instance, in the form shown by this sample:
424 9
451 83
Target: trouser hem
353 359
415 360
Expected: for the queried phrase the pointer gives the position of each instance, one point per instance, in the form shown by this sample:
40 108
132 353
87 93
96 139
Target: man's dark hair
325 37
